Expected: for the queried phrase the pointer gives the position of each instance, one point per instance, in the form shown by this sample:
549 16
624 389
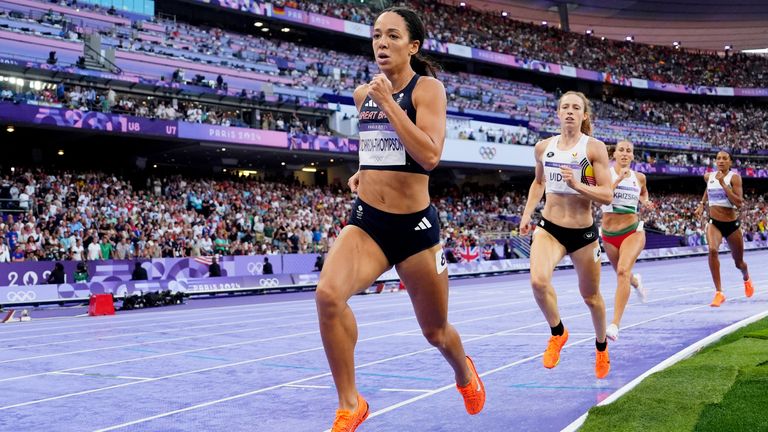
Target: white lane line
322 387
265 389
518 362
220 323
507 366
202 335
130 319
161 318
141 316
33 402
103 376
252 341
405 390
501 287
301 380
328 387
545 334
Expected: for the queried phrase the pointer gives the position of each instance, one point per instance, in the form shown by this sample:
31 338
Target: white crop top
716 194
575 158
625 196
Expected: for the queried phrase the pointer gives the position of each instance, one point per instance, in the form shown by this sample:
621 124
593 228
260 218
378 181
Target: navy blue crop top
380 147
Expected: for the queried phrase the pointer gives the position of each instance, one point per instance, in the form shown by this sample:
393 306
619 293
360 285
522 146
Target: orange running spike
552 353
348 421
718 300
474 392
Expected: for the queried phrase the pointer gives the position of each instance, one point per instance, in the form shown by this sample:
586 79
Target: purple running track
256 363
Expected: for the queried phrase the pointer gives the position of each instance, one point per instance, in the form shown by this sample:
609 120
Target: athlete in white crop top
724 194
622 230
572 169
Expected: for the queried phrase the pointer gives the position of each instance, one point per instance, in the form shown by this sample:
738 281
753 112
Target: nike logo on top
424 224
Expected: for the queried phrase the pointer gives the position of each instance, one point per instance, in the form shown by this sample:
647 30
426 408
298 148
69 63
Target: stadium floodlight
258 24
675 44
282 163
10 129
264 29
544 22
285 30
728 47
462 4
590 32
630 38
60 152
309 169
504 14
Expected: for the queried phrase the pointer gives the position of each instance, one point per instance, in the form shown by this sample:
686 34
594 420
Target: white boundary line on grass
675 358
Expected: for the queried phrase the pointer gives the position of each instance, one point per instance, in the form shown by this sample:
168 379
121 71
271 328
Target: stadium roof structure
694 24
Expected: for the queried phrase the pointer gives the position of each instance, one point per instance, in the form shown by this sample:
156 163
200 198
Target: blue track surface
258 366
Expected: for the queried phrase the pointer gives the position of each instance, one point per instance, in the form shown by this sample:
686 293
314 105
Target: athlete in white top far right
622 230
724 194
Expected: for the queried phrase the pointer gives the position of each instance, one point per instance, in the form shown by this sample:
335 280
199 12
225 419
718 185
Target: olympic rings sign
487 153
20 296
269 282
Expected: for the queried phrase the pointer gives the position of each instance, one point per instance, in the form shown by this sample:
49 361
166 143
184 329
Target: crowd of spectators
534 41
743 128
89 216
96 216
87 99
93 216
